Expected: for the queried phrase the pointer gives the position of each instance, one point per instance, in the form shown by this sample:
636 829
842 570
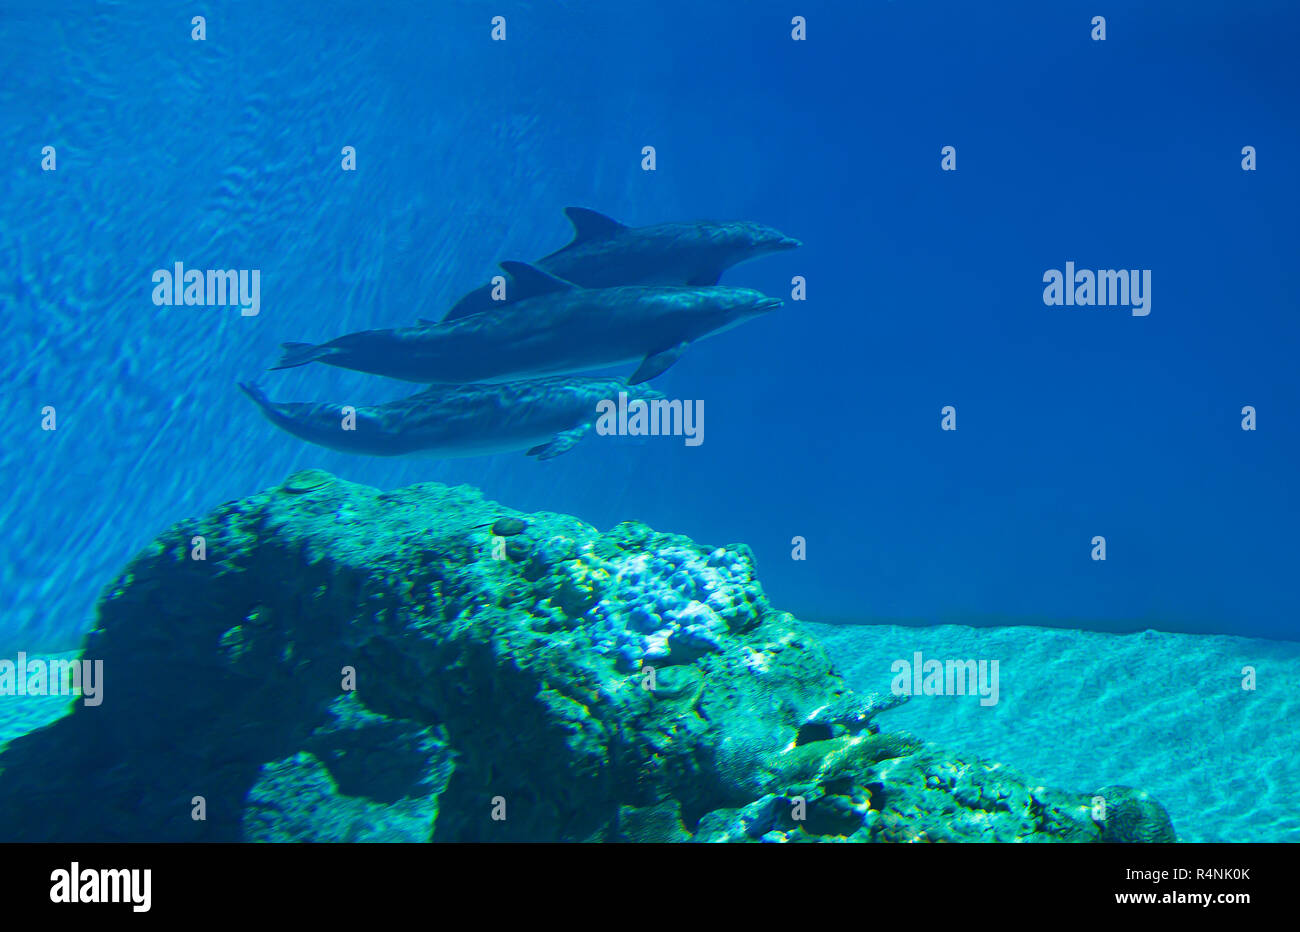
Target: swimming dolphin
605 253
558 328
546 417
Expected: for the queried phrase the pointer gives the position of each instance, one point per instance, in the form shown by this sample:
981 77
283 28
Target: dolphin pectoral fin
657 363
704 279
299 354
560 443
589 224
528 281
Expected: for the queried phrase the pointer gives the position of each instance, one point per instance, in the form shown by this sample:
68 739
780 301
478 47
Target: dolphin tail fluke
299 354
256 394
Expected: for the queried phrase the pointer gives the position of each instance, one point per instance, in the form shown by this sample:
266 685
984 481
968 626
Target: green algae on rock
349 664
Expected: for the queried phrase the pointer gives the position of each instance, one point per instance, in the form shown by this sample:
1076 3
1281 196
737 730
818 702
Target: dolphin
546 417
558 328
605 253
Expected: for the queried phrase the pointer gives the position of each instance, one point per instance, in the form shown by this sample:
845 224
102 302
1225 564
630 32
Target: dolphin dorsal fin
529 281
589 224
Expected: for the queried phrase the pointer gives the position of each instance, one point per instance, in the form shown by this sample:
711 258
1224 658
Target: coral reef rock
345 664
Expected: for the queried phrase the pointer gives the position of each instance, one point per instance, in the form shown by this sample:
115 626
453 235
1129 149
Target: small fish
506 527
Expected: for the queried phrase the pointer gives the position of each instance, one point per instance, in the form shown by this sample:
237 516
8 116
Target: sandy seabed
1081 709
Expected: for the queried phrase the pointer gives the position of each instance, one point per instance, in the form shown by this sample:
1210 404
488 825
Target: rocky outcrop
344 664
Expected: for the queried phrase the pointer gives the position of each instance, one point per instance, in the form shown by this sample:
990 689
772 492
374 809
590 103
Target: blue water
924 286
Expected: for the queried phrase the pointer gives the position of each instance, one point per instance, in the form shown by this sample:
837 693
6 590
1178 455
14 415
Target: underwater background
924 289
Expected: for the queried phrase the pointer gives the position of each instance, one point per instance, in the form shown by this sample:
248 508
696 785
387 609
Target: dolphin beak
767 304
788 242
